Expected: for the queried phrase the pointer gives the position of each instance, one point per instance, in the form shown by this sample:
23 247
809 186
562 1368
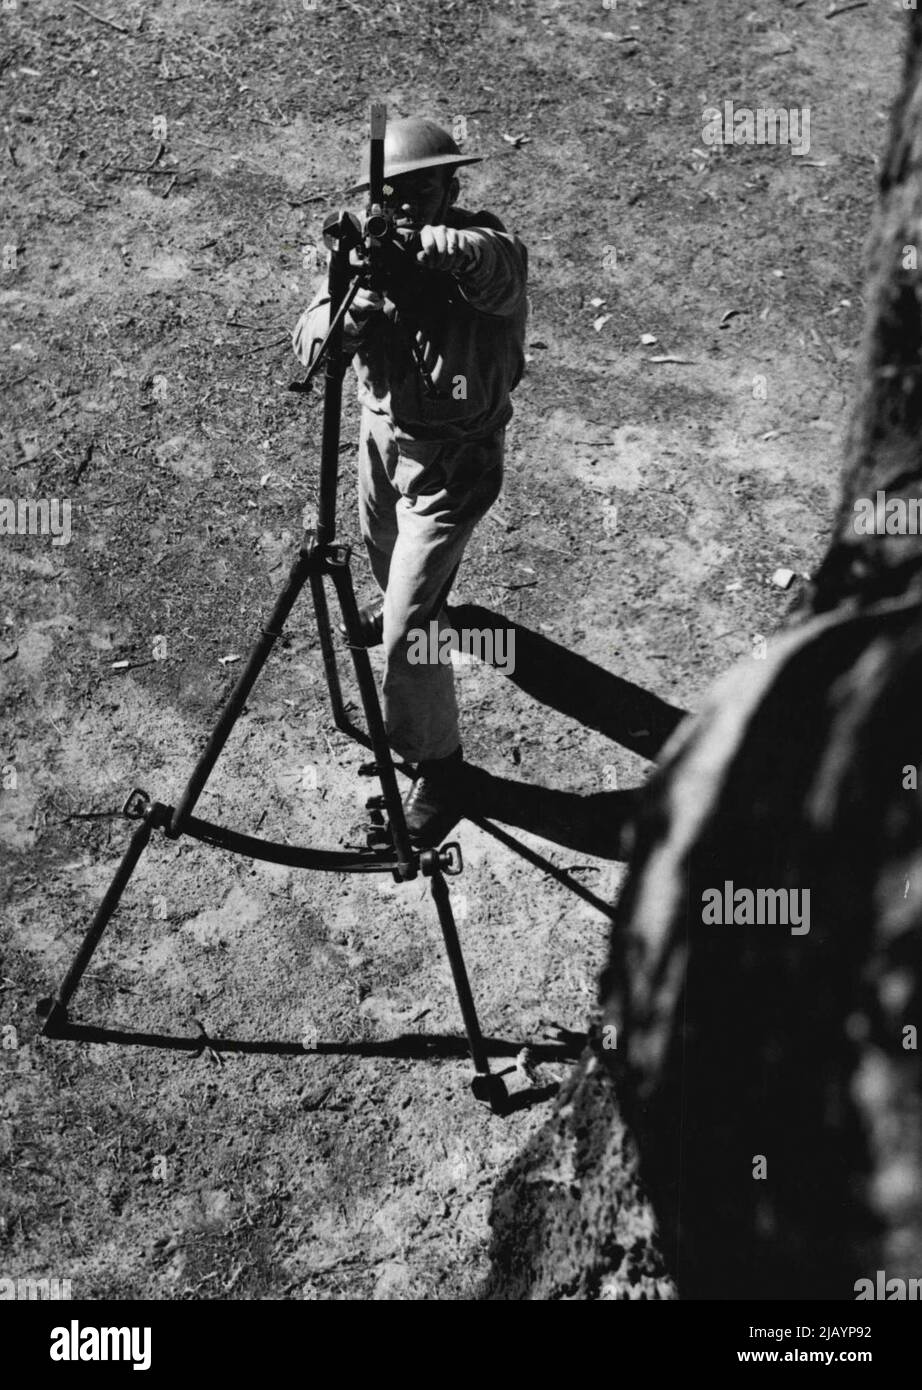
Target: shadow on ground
597 823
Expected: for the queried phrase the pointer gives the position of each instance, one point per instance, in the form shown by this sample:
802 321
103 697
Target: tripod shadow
594 697
412 1046
596 823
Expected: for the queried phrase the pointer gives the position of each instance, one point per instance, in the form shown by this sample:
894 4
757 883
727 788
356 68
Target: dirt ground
154 277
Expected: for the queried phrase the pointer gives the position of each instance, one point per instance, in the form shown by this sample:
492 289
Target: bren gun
381 253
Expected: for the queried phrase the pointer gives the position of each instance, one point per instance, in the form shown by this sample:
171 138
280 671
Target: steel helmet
415 143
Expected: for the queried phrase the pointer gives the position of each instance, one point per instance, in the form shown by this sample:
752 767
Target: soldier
436 358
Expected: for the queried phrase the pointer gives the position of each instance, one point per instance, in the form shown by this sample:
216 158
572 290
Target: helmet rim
394 171
434 149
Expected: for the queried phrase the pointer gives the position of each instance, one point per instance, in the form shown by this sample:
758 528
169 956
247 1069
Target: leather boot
433 804
371 625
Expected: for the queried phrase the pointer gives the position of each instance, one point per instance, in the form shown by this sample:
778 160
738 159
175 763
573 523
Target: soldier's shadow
597 823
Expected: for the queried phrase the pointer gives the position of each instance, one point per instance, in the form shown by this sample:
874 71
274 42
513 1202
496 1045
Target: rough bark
738 1042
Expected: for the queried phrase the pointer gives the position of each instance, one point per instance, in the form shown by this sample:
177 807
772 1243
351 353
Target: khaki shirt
469 331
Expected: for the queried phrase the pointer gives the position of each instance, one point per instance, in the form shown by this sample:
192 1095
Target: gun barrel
377 225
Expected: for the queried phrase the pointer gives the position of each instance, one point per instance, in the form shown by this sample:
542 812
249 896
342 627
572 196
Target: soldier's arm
311 329
489 264
495 276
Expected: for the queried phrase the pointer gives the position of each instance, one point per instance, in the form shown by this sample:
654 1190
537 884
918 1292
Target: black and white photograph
460 669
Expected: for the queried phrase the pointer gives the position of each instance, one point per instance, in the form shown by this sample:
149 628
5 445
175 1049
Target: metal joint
338 556
446 860
450 861
137 803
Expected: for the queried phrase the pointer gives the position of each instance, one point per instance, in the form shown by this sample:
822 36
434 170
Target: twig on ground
310 198
256 327
211 54
101 19
81 466
261 347
132 169
835 9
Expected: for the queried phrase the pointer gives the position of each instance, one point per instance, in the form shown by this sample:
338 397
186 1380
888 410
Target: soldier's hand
447 248
366 301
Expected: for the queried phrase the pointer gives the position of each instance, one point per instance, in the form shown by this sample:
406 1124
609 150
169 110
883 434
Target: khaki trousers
418 505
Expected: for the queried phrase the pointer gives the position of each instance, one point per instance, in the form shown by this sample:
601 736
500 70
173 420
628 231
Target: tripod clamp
139 806
445 860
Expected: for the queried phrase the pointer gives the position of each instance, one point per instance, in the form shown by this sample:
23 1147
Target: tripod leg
368 689
302 567
328 652
485 1085
55 1010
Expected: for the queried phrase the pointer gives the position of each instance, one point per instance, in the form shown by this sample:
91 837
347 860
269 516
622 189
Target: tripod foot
491 1089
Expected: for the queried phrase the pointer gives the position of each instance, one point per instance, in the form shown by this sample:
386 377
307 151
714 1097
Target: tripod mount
321 561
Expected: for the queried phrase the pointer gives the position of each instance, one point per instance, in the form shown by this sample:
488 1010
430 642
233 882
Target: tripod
388 847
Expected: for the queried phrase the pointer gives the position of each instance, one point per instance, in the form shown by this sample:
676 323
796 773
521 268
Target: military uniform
431 448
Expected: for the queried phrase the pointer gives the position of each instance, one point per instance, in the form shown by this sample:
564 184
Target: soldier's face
418 197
